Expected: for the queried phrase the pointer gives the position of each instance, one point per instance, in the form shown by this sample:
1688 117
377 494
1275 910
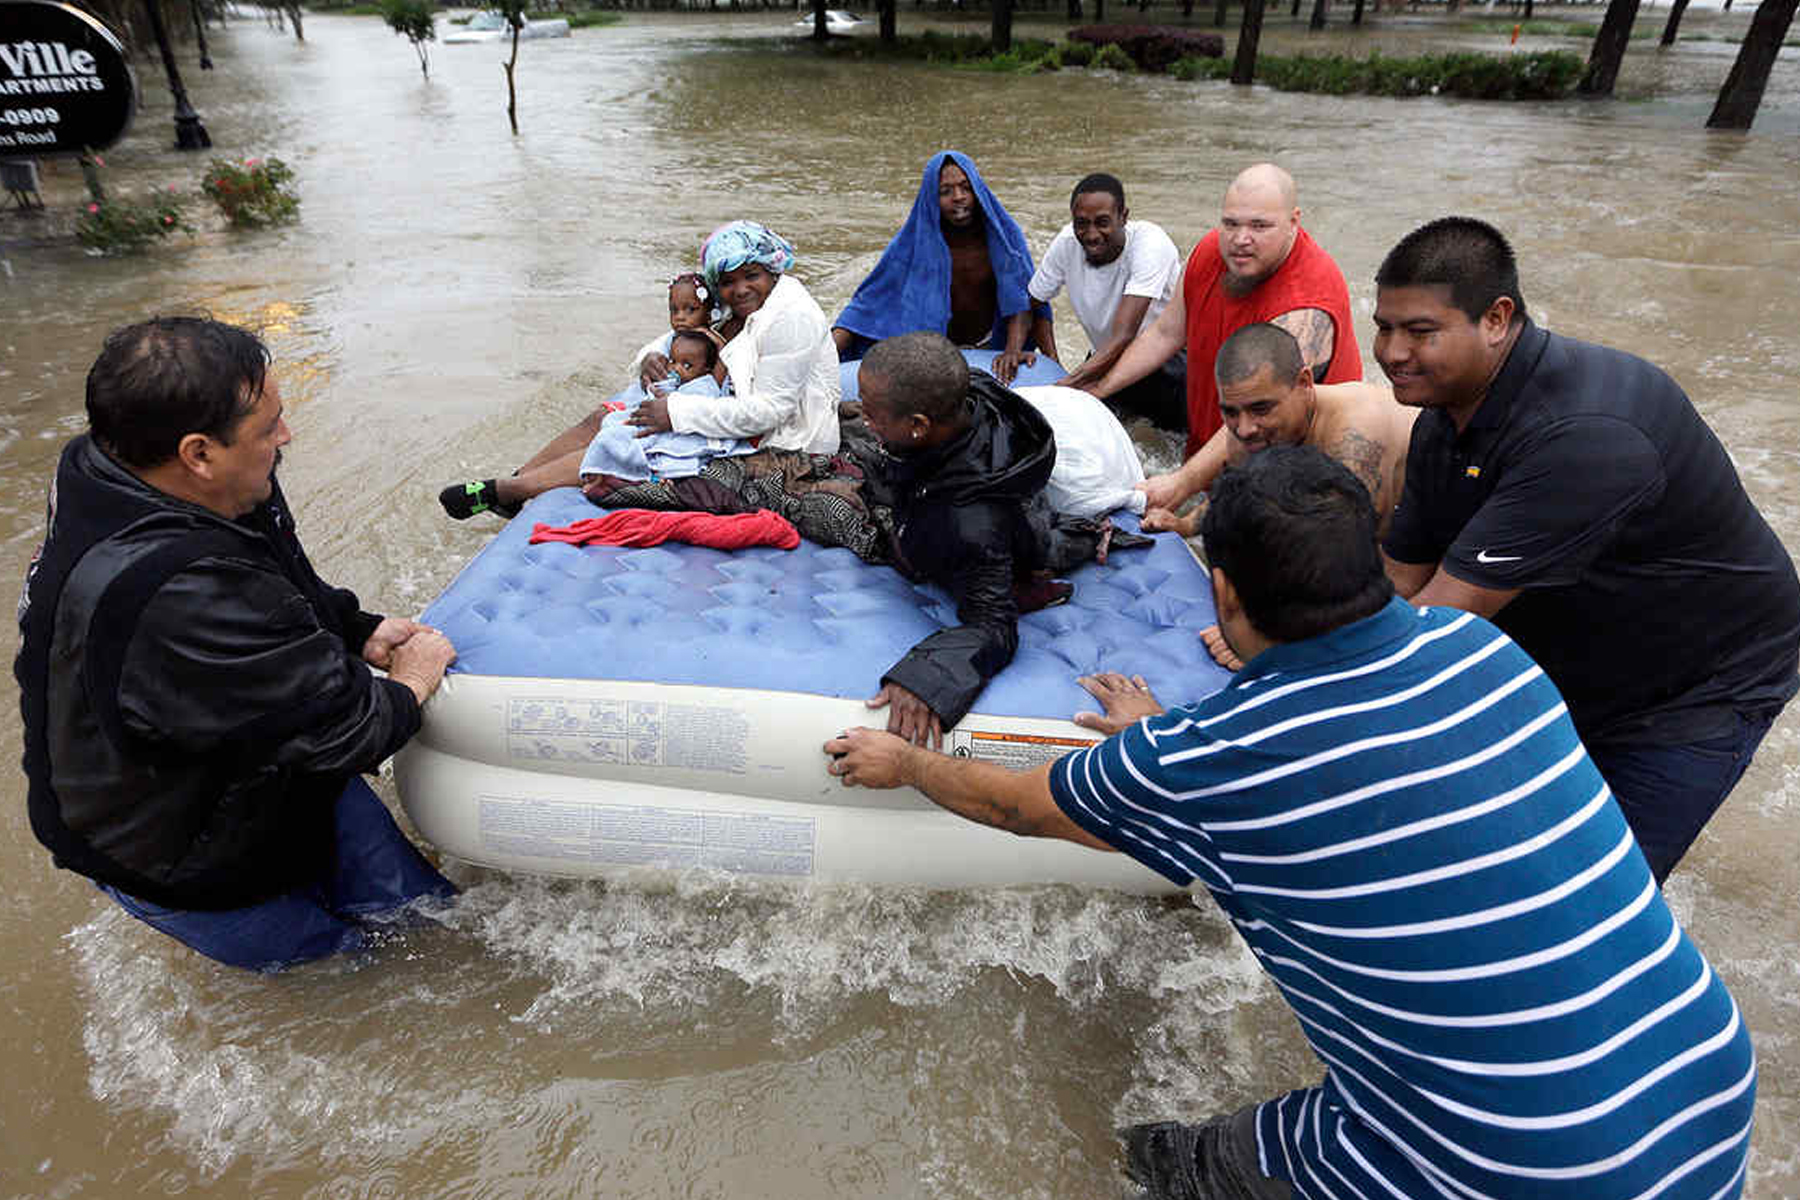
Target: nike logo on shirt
1484 557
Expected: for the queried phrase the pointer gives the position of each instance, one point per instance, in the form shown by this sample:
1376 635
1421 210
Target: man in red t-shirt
1258 265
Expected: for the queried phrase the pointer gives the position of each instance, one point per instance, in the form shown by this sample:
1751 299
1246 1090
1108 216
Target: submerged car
490 26
837 20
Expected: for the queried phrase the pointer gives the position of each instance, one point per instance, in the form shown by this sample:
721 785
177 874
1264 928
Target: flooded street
453 296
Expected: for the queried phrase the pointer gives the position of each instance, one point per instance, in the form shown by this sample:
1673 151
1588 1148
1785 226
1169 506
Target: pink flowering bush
119 225
252 192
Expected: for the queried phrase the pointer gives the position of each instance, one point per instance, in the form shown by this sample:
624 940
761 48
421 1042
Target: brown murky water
453 296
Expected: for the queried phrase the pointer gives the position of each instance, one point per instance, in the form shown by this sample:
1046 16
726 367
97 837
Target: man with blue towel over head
960 267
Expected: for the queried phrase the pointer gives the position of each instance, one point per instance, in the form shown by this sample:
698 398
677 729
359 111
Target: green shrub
253 192
1012 60
1200 68
118 225
1113 58
1074 54
1025 58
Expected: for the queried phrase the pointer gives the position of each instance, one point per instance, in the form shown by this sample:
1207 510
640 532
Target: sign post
65 86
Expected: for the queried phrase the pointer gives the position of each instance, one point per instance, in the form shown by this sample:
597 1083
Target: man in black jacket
970 459
198 704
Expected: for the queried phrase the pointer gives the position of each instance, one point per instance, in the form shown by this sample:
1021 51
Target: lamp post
190 134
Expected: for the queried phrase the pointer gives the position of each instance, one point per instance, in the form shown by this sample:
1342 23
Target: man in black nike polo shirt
1571 493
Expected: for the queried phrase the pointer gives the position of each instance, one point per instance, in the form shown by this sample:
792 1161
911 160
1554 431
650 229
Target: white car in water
490 26
837 20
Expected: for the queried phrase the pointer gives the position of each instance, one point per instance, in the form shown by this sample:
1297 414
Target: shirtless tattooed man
1267 397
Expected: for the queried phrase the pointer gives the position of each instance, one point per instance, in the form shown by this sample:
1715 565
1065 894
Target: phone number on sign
29 116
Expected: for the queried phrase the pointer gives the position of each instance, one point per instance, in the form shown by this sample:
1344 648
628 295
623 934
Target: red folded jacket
645 527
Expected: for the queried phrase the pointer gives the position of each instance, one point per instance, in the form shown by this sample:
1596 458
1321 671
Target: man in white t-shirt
1120 275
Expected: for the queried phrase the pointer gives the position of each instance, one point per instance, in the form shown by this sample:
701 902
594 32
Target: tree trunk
1000 33
819 33
1743 90
1099 11
889 21
1219 13
1674 25
1243 67
1295 11
206 63
1074 10
424 63
1609 49
293 13
1356 15
1318 15
1528 4
512 96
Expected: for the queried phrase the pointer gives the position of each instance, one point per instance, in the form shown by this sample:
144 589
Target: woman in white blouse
781 364
778 352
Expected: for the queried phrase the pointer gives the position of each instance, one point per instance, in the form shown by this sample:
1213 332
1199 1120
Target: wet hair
695 335
159 380
1469 257
927 372
1294 532
1254 347
1099 181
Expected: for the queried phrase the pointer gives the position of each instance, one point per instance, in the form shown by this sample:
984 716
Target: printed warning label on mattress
641 733
648 835
1018 751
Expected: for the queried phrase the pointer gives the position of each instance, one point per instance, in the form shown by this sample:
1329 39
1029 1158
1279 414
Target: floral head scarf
731 246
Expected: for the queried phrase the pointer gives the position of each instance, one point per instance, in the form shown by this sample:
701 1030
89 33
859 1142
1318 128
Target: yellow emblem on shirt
1472 472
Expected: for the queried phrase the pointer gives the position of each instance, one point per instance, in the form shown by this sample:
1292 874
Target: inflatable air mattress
618 709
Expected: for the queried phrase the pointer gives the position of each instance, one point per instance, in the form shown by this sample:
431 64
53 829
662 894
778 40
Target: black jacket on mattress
194 695
970 516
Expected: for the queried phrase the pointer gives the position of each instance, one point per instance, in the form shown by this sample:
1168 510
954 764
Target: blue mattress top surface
811 620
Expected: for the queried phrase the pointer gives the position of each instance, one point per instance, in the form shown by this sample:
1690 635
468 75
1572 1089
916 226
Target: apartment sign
65 86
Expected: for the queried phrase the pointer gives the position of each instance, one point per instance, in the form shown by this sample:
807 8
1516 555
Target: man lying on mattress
965 467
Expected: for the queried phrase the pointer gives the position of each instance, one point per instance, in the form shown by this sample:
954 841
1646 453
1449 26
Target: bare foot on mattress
1219 649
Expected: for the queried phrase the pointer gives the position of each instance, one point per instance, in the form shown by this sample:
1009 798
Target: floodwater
453 296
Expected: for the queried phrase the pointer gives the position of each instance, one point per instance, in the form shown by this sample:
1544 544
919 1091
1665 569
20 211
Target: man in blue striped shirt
1394 809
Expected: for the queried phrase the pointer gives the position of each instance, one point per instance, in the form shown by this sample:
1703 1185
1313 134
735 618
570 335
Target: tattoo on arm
1316 332
1363 456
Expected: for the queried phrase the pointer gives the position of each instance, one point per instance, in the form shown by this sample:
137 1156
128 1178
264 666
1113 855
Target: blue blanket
617 449
909 289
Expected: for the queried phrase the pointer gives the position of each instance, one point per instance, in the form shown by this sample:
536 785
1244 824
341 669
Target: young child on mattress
619 451
691 307
690 314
